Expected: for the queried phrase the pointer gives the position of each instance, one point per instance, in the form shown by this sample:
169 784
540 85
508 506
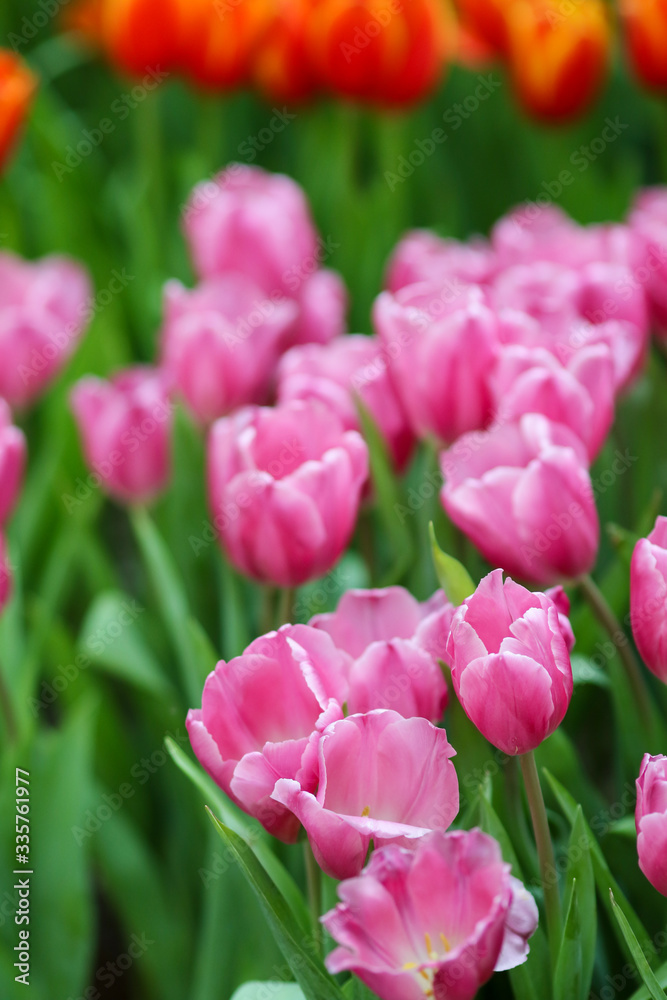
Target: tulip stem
545 852
285 607
314 887
609 621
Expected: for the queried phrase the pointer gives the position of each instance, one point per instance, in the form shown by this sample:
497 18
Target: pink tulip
648 221
434 922
380 777
648 598
547 291
562 602
284 488
125 426
322 300
510 664
534 233
338 372
247 221
5 574
258 713
523 495
221 343
12 462
440 365
44 308
395 644
580 394
651 820
423 256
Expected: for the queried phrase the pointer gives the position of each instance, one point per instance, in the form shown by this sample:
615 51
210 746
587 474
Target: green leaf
386 492
575 980
172 599
604 879
62 907
268 991
584 671
452 575
569 972
531 980
297 947
249 830
206 655
625 827
643 993
111 639
644 969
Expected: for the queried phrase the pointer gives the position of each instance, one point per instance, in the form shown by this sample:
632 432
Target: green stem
609 621
314 888
285 607
545 852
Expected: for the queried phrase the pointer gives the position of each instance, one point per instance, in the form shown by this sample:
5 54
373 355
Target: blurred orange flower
389 52
645 24
282 67
17 86
487 20
558 54
221 37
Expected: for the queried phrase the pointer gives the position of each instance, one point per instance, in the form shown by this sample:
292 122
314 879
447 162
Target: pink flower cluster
512 352
350 752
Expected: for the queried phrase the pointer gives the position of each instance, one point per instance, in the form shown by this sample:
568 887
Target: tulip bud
558 60
435 922
125 426
651 820
284 487
441 353
510 664
221 343
17 86
44 308
12 462
648 222
648 598
523 495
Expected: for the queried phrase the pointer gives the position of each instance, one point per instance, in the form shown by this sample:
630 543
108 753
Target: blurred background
123 854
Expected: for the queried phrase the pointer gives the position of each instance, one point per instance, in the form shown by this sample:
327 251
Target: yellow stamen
447 946
409 966
366 811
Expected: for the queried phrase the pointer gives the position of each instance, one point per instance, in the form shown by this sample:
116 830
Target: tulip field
333 499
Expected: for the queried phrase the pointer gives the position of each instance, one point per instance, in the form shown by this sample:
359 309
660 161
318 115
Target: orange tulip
486 19
17 86
558 54
136 35
222 37
646 39
282 69
390 52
